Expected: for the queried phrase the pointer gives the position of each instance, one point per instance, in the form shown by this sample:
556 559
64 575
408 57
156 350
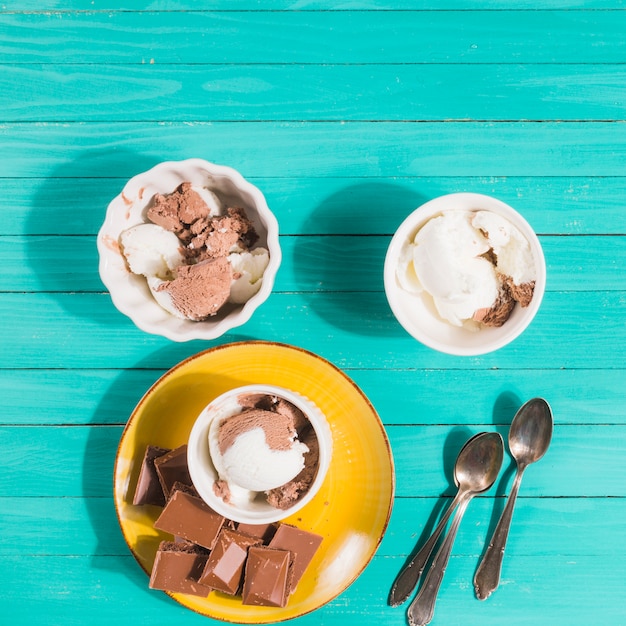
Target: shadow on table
103 441
344 296
72 201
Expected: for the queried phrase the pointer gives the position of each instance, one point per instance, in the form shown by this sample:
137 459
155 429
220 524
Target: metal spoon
409 575
476 475
529 438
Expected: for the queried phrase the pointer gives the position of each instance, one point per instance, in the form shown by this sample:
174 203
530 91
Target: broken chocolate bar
149 490
171 468
266 576
177 567
301 543
224 568
191 518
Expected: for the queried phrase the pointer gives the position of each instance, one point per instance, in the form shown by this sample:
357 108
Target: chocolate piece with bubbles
266 576
177 567
149 489
171 468
191 518
224 568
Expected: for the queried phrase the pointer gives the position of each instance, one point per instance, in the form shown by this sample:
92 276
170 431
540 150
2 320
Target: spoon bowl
479 462
531 431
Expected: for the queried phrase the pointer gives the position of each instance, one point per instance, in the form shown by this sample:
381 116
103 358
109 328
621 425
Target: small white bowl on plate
416 312
202 470
130 292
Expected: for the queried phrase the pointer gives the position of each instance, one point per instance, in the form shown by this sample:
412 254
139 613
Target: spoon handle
410 574
422 609
487 577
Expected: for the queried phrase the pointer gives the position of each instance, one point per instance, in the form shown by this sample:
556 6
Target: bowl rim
203 473
185 330
407 230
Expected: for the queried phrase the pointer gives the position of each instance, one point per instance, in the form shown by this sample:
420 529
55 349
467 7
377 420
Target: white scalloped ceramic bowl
130 292
416 312
203 472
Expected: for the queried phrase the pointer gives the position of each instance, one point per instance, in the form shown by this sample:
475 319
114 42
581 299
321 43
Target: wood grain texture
472 37
382 92
329 148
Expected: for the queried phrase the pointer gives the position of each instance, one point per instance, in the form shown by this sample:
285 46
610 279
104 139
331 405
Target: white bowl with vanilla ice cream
465 274
259 453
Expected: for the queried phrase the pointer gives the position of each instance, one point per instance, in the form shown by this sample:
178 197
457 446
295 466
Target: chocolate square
224 568
177 567
149 489
301 543
265 578
191 518
171 468
262 531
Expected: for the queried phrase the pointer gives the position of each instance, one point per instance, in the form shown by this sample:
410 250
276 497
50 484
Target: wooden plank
78 461
353 330
73 396
89 527
327 148
108 396
310 5
106 588
46 263
308 205
472 37
383 92
61 526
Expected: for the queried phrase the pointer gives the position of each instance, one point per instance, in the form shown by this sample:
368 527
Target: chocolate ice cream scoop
259 453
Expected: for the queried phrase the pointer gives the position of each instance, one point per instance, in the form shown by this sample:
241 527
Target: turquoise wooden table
347 116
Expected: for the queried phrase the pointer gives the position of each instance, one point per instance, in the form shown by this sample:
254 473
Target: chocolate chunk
182 206
177 567
301 543
265 578
224 567
189 517
171 468
262 531
149 489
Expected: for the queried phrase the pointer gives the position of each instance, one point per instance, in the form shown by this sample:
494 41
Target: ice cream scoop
255 450
473 264
259 453
151 250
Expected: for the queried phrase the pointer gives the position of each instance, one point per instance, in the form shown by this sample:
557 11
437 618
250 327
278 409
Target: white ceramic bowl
203 472
416 313
130 292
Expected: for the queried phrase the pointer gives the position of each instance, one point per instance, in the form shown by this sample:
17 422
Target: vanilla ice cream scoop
474 265
248 268
151 250
255 451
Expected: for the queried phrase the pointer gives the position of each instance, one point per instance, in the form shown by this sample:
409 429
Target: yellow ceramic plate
351 510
